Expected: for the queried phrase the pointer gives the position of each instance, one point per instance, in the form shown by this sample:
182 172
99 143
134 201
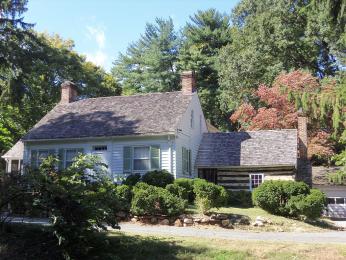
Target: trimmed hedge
132 179
177 190
209 195
289 198
187 184
158 178
124 193
151 200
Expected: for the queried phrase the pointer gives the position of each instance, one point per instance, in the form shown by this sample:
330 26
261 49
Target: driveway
323 237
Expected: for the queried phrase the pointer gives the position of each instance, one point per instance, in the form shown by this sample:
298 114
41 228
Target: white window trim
250 179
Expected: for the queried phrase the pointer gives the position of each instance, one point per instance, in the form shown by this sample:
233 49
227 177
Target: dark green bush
273 196
310 206
289 198
240 198
187 184
132 179
124 193
151 200
158 178
178 191
209 195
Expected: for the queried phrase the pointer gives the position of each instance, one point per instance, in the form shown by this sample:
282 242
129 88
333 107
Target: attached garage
243 160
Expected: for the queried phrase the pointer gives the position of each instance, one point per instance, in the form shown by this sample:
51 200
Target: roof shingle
146 114
257 148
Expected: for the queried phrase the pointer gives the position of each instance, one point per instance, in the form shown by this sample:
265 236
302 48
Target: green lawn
34 242
158 247
278 223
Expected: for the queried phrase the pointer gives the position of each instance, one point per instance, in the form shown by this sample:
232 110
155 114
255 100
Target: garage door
336 207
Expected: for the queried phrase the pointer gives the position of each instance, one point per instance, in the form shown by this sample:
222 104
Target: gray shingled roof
16 151
147 114
254 148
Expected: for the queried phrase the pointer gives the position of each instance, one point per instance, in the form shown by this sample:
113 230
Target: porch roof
16 152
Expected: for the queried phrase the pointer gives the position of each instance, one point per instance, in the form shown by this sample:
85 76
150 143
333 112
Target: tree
149 64
203 37
270 37
278 110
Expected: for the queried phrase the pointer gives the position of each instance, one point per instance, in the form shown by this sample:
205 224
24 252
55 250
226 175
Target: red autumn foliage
280 113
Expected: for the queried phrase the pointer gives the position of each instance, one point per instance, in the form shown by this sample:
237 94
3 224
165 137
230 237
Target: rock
188 221
134 219
182 216
230 226
221 216
178 223
257 224
225 222
213 216
153 220
164 222
261 219
205 220
121 214
197 220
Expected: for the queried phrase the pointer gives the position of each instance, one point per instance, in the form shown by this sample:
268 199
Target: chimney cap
68 83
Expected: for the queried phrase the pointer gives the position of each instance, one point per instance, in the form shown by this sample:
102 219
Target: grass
33 242
159 247
279 223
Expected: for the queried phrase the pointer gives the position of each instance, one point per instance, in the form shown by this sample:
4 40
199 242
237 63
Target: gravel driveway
323 237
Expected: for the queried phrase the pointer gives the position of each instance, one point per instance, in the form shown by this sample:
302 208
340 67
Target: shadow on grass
23 241
322 224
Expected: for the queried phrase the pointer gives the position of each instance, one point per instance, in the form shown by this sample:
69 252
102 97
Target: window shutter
127 159
61 158
33 159
155 157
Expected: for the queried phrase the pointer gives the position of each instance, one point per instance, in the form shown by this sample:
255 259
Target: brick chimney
304 170
188 82
69 92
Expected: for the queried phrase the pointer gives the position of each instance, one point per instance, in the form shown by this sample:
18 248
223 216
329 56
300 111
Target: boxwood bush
132 179
150 200
187 184
209 195
240 198
159 178
289 198
177 190
124 193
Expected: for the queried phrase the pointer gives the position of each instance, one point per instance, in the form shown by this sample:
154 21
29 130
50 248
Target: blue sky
101 29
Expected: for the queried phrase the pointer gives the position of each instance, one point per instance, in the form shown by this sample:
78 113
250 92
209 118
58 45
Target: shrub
240 198
310 206
132 179
81 200
151 200
187 184
177 190
209 195
124 193
273 196
158 178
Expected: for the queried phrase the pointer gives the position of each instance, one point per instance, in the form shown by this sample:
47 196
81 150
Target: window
192 120
37 156
15 166
67 156
186 161
141 158
100 148
255 180
339 201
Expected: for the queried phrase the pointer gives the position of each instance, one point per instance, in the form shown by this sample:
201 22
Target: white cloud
98 35
99 56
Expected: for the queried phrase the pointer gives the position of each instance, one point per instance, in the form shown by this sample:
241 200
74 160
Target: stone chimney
304 170
69 92
188 82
